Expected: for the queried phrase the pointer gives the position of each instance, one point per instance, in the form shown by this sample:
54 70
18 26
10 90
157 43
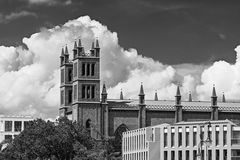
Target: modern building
10 126
82 101
182 141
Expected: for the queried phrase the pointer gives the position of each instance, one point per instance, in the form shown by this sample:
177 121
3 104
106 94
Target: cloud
29 78
16 15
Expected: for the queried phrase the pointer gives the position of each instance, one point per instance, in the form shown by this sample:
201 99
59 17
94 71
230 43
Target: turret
142 109
92 50
214 97
80 48
62 57
75 51
156 96
104 94
97 48
214 112
121 95
178 96
190 97
141 95
223 98
66 55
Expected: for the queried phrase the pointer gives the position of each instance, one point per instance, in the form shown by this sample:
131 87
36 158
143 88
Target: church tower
80 87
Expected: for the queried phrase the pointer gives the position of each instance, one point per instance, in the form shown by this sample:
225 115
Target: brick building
82 100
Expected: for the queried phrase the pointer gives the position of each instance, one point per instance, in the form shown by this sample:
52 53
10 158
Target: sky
160 43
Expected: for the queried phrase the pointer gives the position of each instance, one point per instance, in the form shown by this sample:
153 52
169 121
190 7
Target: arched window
118 136
88 125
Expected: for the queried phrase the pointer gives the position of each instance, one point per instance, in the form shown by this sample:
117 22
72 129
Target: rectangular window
8 126
209 154
93 69
224 154
172 155
217 154
180 137
75 92
83 69
75 70
8 137
203 155
187 138
17 126
62 97
83 91
165 155
93 92
26 124
88 91
187 155
217 136
172 139
194 138
88 69
62 75
69 96
165 138
194 155
224 135
179 155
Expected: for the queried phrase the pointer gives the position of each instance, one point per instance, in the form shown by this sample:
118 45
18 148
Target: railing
235 157
235 141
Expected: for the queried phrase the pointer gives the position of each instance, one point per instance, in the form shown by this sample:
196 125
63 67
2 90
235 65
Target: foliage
65 140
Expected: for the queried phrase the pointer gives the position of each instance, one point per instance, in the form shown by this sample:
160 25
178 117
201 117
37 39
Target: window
187 155
172 155
172 137
83 69
217 135
93 69
165 137
8 126
203 155
88 69
187 138
17 126
194 155
217 154
88 91
62 97
224 135
26 124
70 96
224 154
62 75
74 92
69 74
209 154
93 92
165 155
8 137
180 137
83 91
194 138
75 70
179 155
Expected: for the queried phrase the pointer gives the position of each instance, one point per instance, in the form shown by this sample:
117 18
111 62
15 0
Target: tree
65 140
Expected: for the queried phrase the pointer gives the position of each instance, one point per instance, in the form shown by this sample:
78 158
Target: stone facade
82 101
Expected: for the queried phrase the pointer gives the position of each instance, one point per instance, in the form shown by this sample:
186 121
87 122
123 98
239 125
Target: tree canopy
64 140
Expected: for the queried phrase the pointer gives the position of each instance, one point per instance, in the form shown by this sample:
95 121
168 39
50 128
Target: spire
104 91
190 97
92 45
79 43
75 45
178 92
214 92
156 96
223 98
141 90
97 44
62 54
66 50
121 95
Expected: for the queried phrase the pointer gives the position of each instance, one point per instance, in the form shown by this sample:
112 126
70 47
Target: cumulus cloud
49 2
29 78
6 18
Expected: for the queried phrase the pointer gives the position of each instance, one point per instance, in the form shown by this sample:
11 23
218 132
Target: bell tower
86 107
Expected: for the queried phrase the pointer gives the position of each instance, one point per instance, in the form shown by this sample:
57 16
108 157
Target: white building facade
182 141
10 126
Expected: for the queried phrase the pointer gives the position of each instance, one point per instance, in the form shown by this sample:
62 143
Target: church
84 102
